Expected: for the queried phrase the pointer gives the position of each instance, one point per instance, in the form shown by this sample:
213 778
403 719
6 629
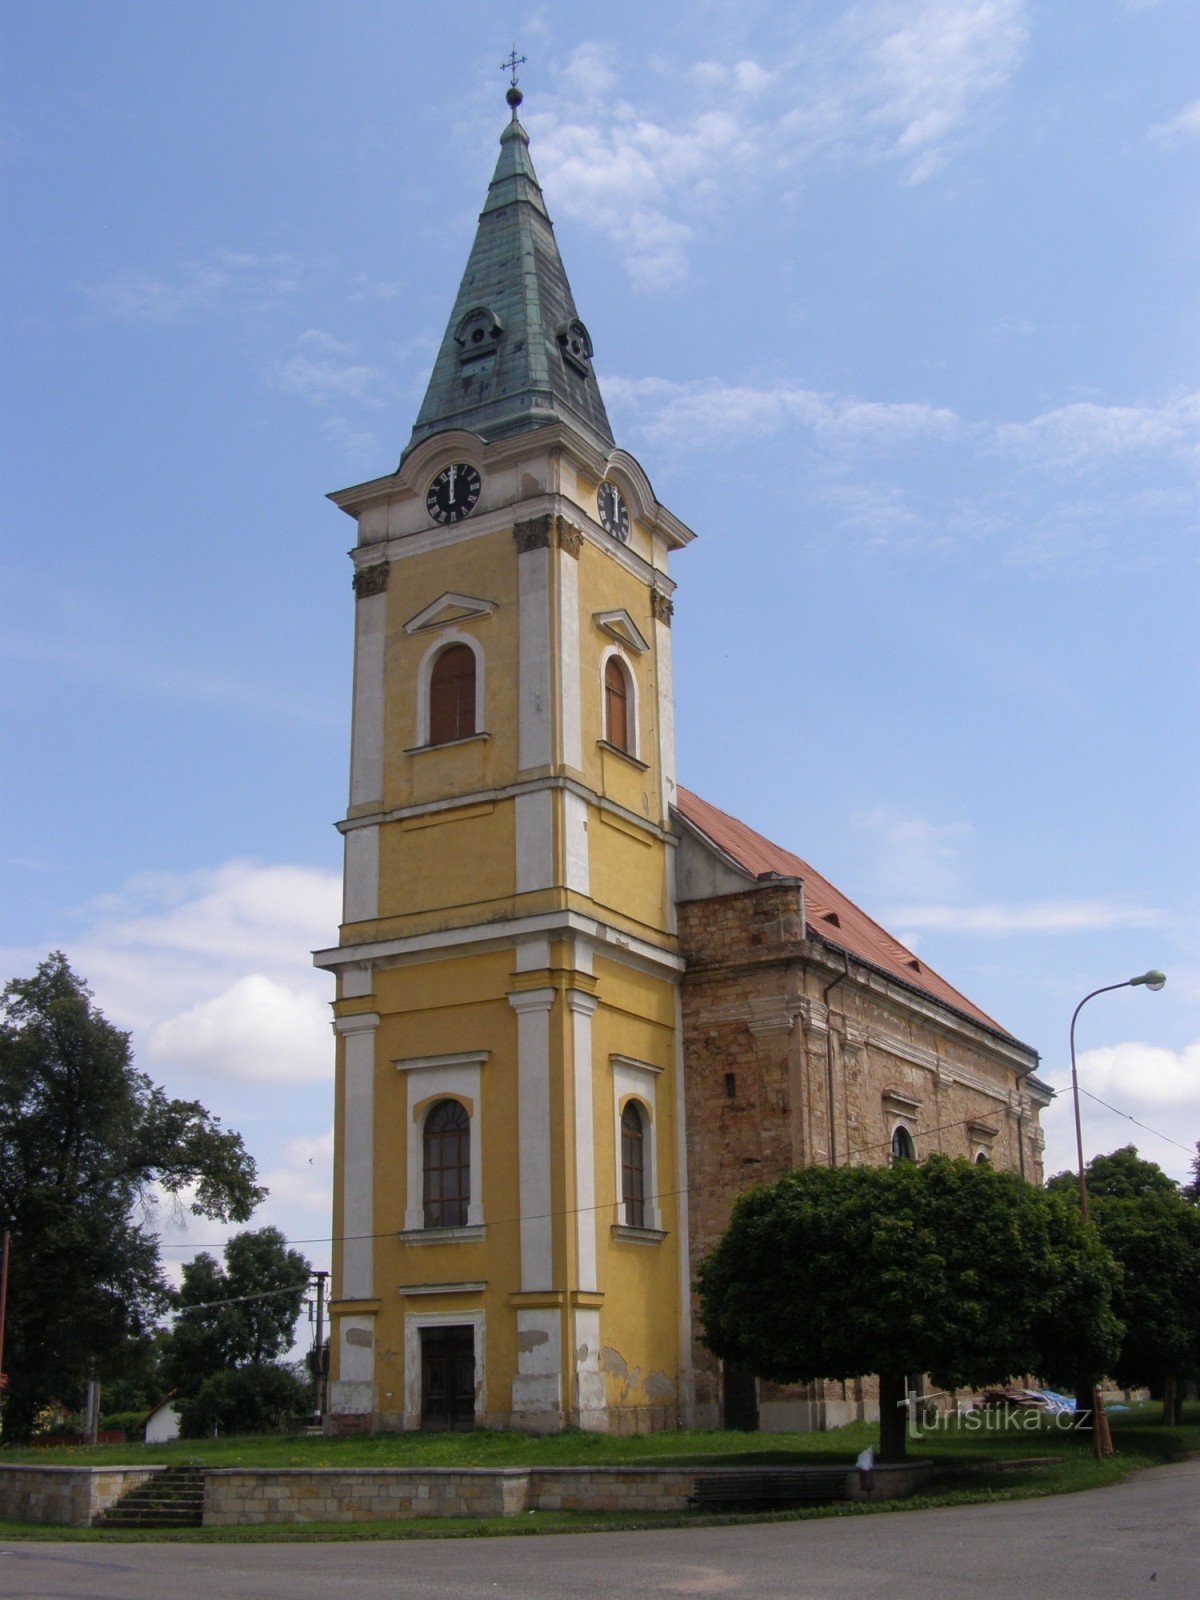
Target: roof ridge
922 977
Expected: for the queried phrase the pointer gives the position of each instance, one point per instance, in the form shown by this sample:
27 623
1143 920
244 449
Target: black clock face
453 493
614 515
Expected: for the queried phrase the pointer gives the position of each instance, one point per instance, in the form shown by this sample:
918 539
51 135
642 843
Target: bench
781 1486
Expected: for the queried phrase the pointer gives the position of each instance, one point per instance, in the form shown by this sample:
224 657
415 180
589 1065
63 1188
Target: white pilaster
366 740
576 861
532 1007
582 1008
535 839
591 1411
358 1108
537 1383
569 687
666 711
360 881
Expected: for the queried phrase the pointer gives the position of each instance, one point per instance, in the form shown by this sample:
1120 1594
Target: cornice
605 940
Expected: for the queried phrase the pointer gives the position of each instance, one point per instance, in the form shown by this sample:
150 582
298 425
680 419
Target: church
578 1009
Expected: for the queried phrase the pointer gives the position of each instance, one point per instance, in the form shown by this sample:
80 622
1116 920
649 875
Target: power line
663 1194
1189 1148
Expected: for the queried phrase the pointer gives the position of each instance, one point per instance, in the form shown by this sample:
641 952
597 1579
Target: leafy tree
1192 1190
1153 1231
957 1270
253 1399
238 1315
84 1138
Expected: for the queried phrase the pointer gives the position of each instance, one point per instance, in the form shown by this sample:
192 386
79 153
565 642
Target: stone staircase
173 1498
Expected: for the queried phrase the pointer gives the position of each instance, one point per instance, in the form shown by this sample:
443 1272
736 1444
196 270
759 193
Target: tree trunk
893 1417
1172 1412
1084 1385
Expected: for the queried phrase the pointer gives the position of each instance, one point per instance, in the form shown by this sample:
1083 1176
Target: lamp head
1152 979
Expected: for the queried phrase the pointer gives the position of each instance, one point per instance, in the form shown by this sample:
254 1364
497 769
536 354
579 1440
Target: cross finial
513 95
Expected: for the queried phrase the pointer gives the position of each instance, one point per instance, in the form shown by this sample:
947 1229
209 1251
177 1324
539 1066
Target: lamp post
1102 1441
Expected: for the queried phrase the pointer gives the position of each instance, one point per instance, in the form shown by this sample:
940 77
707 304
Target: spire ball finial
513 95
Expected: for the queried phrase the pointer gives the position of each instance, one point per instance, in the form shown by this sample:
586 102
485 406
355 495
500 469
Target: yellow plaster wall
447 860
484 568
640 1319
627 869
604 585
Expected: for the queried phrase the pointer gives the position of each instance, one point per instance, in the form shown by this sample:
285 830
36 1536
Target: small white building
162 1423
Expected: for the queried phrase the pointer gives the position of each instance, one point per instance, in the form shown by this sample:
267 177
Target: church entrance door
448 1379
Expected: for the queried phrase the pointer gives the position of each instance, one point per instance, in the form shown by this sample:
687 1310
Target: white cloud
318 371
1179 129
914 856
194 287
1145 1073
692 414
888 80
257 1030
924 69
1085 435
166 942
1036 916
1156 1087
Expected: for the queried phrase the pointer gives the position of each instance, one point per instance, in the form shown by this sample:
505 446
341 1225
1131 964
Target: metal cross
511 65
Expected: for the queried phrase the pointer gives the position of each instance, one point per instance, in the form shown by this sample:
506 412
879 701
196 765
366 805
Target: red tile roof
836 920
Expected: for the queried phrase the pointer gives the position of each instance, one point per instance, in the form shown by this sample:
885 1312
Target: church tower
509 1166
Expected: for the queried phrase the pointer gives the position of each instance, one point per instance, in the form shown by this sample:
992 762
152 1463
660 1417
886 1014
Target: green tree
84 1140
238 1315
1191 1189
968 1274
252 1399
1153 1231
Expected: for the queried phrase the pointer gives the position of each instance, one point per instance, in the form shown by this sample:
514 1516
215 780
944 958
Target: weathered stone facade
800 1052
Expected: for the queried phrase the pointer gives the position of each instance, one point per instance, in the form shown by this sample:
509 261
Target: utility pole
319 1357
3 1308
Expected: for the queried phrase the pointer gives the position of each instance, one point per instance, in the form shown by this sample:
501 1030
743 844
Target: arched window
982 1159
903 1148
447 1165
633 1166
616 706
452 695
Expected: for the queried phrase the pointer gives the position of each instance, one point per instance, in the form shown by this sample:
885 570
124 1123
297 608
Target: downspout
1021 1076
825 993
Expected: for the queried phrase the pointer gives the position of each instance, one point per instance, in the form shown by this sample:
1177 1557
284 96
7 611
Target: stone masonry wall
792 1058
67 1497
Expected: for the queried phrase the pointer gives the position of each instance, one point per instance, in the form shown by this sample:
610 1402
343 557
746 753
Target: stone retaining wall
244 1496
238 1497
68 1497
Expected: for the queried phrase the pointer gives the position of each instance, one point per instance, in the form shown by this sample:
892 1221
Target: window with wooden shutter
633 1166
447 1165
452 695
616 705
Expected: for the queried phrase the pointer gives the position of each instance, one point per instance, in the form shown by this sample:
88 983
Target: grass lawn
1139 1438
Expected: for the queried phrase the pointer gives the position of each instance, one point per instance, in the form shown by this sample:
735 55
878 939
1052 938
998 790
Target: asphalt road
1139 1538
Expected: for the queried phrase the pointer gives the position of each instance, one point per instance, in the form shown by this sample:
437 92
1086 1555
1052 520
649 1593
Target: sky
896 304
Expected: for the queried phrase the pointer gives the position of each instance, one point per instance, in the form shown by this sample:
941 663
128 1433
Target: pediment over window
623 629
449 608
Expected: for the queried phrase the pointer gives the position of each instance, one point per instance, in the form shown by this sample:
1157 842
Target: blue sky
895 303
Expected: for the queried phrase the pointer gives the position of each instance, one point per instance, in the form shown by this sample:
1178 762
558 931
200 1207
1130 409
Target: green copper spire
515 355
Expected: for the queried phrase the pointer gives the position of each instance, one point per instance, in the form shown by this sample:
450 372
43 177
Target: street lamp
1149 980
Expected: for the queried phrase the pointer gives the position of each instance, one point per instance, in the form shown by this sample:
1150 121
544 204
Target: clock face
614 515
453 493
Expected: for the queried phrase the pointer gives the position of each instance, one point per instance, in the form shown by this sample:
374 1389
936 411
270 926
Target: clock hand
453 475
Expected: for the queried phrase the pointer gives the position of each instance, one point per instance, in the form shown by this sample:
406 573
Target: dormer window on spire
575 342
478 335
